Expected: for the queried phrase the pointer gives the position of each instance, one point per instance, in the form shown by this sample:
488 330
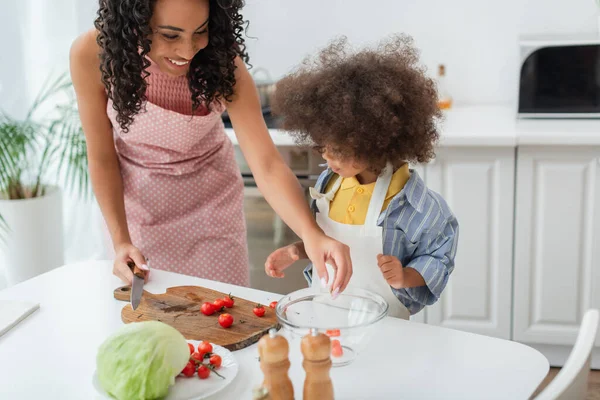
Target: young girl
369 114
152 80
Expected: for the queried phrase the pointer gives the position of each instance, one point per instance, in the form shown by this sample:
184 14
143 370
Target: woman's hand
322 249
126 253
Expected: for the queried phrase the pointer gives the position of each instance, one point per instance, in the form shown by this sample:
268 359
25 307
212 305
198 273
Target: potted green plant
38 155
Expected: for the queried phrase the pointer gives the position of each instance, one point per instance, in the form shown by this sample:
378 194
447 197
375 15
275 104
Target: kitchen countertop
495 126
51 354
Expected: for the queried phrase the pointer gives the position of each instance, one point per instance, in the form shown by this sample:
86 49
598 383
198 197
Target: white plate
194 388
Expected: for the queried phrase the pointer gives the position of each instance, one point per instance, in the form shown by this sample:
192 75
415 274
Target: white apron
365 243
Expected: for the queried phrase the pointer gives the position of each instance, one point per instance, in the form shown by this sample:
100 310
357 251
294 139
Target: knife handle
140 273
123 293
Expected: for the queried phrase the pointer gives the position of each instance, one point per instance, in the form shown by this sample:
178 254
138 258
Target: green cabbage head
141 360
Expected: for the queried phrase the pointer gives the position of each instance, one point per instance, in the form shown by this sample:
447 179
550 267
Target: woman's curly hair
124 39
376 105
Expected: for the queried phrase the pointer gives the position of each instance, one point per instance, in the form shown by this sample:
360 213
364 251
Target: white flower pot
34 242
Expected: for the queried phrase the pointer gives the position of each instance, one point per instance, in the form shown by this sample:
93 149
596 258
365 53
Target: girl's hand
280 259
322 249
126 253
396 275
392 270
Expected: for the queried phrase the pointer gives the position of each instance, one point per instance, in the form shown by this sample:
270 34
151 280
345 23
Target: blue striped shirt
421 231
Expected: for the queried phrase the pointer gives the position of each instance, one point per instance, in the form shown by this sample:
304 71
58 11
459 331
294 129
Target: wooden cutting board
180 308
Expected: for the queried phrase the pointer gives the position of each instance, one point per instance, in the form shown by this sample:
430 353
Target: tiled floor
593 384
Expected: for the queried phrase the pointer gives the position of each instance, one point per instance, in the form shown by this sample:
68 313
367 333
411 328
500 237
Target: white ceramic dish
194 388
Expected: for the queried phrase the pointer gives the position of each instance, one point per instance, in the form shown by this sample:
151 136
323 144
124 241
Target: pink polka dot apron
183 189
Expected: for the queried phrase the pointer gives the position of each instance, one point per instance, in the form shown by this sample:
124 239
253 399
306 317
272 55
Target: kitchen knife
137 285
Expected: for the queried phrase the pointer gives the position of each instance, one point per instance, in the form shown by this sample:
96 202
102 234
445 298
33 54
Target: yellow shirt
351 202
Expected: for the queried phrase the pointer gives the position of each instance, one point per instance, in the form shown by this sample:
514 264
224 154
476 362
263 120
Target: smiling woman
174 33
151 81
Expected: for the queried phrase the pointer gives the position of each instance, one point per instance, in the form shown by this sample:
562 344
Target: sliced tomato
337 351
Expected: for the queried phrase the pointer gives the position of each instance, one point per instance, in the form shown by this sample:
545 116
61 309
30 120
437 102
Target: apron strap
323 199
315 195
377 199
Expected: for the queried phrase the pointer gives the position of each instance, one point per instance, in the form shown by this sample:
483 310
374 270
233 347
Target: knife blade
137 285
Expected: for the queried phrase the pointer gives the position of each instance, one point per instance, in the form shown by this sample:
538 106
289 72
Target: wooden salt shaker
273 350
316 348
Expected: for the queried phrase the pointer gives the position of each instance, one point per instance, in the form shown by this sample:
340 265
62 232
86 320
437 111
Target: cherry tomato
259 310
189 369
191 346
225 320
197 356
205 347
203 371
215 360
333 332
207 309
273 304
219 304
228 301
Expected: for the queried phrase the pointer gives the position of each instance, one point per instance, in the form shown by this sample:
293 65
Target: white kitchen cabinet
557 245
478 184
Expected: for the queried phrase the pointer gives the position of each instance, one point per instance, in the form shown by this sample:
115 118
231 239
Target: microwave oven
559 77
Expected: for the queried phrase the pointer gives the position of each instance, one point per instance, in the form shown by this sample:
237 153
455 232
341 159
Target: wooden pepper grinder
273 350
260 393
316 348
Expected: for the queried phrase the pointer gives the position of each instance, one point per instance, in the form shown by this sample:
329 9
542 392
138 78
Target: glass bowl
349 319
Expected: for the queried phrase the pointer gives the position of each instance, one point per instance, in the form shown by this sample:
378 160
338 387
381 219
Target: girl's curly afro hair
376 105
123 36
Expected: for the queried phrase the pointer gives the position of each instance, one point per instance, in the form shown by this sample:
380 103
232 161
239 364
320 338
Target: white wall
476 39
35 38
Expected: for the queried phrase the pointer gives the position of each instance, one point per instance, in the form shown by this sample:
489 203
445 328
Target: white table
51 355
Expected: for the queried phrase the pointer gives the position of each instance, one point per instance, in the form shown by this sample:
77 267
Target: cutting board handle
123 293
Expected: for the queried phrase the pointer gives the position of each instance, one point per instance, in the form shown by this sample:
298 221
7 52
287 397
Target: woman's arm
103 164
278 184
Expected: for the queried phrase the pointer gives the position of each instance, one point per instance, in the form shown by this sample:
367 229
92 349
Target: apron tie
316 195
